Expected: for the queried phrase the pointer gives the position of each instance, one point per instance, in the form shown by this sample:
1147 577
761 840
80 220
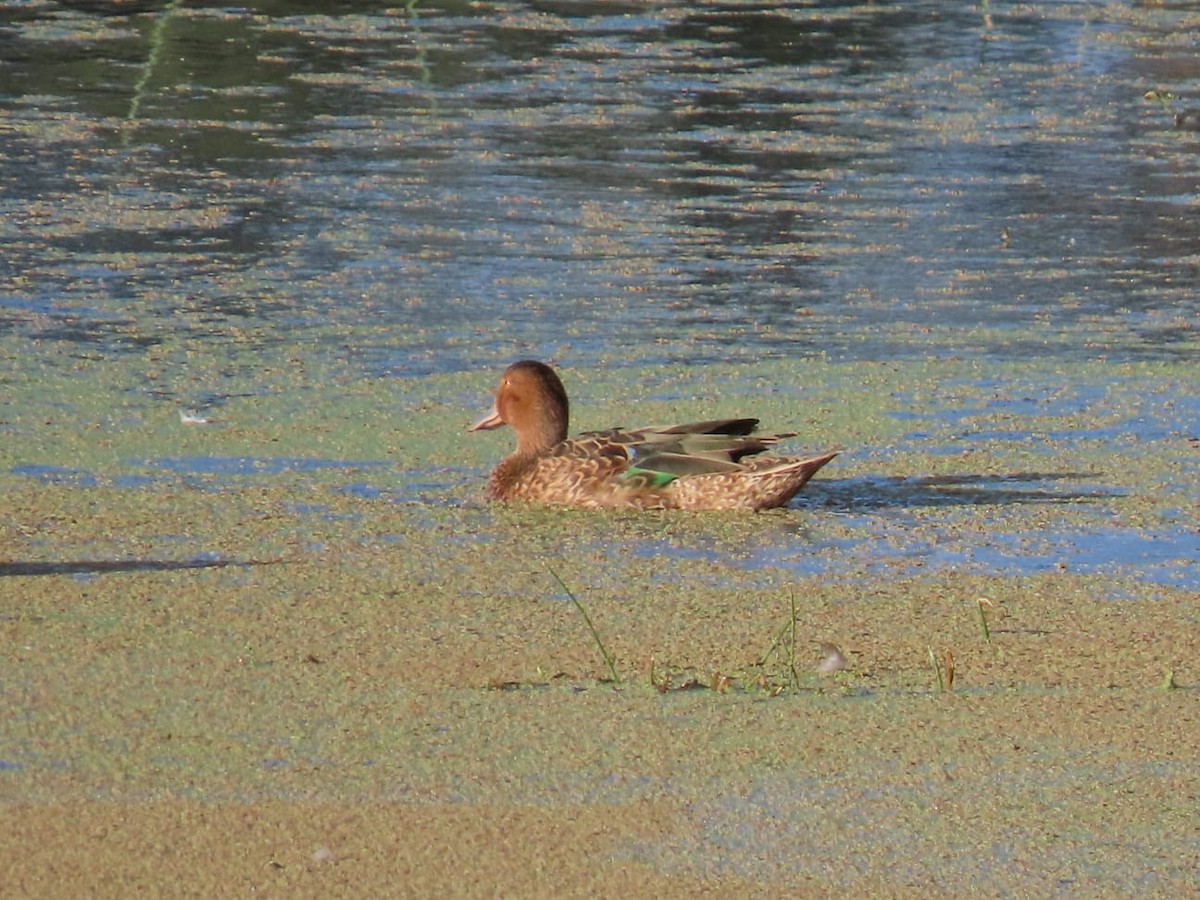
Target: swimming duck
702 465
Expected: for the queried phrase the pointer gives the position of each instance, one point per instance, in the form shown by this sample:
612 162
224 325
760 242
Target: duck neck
551 430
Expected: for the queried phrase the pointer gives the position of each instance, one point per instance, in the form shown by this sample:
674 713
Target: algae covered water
208 212
262 266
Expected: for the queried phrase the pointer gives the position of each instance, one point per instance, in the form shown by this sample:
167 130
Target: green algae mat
288 647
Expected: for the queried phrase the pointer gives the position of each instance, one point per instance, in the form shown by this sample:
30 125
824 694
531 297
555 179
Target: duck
713 465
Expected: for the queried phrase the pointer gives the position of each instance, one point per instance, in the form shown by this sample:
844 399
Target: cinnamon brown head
532 400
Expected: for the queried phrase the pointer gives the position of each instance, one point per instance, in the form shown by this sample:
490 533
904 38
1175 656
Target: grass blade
980 603
937 670
608 660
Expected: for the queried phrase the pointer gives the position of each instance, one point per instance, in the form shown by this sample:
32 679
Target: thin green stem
937 670
792 649
776 642
983 622
157 41
608 660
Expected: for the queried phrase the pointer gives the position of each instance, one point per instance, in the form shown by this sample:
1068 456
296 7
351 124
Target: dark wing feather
660 455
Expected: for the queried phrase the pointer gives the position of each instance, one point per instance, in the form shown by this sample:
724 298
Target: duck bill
488 422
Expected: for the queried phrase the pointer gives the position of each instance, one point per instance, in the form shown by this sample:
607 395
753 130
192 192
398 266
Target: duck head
532 400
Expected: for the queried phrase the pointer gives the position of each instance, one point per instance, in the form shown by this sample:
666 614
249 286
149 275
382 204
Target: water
570 178
410 192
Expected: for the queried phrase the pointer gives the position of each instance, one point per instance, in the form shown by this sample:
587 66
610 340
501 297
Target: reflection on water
453 181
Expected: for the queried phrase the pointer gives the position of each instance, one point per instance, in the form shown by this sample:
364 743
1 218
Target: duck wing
657 456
